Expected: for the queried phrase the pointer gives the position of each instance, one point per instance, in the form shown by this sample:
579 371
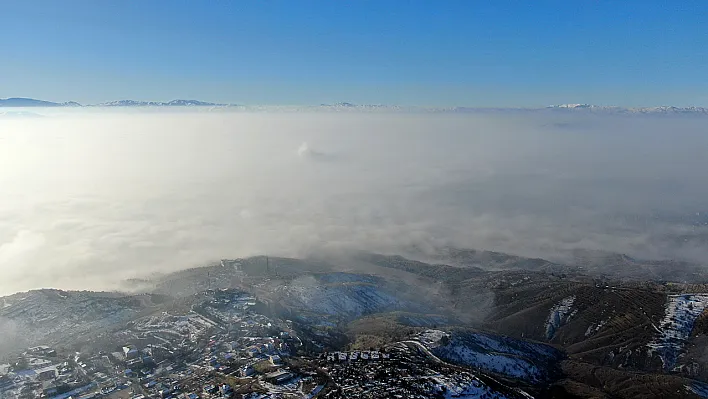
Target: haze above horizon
427 53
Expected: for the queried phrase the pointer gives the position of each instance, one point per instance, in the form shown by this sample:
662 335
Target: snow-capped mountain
190 103
624 110
126 103
173 103
572 106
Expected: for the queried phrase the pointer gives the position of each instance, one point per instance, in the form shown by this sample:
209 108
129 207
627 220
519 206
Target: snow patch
432 338
462 388
594 328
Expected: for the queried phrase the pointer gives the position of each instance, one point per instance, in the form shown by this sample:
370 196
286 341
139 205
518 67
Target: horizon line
185 102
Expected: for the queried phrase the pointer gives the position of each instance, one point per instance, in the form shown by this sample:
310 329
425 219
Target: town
218 348
267 328
223 346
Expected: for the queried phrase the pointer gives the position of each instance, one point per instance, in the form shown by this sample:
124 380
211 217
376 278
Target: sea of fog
88 199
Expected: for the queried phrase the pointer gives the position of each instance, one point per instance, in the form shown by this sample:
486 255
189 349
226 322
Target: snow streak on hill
560 314
677 325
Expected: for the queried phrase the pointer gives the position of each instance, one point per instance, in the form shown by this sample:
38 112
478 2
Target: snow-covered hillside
491 353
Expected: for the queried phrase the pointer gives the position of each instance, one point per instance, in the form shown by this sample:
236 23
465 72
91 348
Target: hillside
550 328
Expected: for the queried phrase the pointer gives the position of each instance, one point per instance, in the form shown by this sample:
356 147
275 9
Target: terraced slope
587 380
626 327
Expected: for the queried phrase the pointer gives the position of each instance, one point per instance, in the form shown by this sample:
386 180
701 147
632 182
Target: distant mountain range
30 102
346 106
640 110
594 109
173 103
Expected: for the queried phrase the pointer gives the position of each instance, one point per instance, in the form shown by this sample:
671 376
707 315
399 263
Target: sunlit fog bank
87 200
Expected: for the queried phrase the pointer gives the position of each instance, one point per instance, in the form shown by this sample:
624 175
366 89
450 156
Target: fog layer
87 200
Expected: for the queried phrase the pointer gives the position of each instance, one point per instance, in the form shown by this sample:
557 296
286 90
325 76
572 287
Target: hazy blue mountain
31 102
27 102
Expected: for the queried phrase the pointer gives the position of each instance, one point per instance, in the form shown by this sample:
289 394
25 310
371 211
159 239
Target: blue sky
442 52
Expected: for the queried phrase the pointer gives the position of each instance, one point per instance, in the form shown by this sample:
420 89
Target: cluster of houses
405 375
165 356
357 355
42 372
225 340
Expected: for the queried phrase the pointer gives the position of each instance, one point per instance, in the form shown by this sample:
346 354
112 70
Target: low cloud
91 199
306 152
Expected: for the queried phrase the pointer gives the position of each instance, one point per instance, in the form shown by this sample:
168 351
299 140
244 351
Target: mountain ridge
23 102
